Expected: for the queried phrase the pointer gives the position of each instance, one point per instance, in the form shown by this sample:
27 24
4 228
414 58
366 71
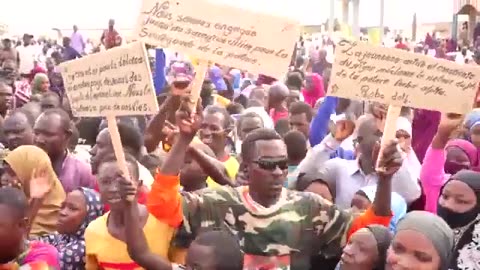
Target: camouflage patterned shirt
298 226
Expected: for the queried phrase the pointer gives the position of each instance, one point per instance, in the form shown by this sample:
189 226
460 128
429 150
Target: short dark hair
300 107
296 144
226 248
249 144
51 94
294 80
212 109
64 117
282 126
27 114
246 116
130 138
234 108
128 159
15 200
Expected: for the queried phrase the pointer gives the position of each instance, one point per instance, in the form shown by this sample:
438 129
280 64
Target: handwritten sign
117 82
401 78
257 42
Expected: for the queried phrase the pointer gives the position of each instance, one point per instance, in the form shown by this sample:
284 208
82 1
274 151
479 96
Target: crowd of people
265 173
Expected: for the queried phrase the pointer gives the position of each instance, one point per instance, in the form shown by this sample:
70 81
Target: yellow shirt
232 166
103 251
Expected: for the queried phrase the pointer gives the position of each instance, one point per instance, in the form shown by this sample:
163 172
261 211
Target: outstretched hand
188 122
391 159
39 183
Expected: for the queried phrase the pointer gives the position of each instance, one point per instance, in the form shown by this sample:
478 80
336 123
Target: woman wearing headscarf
423 240
366 249
445 157
81 207
313 89
21 166
40 83
459 206
472 127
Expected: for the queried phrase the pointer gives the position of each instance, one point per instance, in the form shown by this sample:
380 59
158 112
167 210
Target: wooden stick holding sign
197 83
400 78
117 82
117 144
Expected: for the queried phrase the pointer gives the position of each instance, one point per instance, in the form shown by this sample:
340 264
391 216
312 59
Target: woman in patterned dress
81 207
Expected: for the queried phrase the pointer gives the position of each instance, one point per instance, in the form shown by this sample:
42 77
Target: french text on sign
257 42
117 81
401 78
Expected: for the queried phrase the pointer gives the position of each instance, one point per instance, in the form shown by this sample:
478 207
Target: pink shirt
433 177
277 115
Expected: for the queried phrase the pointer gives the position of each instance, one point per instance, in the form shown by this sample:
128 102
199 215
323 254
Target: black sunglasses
272 164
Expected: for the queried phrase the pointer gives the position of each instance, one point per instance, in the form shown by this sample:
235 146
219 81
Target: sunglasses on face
272 164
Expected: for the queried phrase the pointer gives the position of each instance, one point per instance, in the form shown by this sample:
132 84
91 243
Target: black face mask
457 220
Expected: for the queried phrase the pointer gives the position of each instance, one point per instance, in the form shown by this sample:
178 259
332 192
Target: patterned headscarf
71 247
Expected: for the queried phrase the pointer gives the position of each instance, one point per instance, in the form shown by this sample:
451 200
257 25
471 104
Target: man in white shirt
27 55
346 177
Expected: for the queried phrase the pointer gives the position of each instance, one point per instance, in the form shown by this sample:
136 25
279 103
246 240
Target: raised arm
154 132
319 128
164 200
214 168
319 154
432 174
137 245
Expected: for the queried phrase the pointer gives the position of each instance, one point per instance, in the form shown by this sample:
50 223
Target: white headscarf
414 166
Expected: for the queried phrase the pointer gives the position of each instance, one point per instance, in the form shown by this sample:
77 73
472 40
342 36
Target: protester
18 129
52 134
277 95
105 237
77 41
367 249
313 89
110 37
80 207
16 251
423 240
40 84
25 167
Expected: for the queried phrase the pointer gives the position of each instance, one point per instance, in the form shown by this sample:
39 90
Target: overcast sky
42 15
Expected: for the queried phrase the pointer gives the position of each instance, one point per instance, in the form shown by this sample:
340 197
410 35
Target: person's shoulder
302 197
44 252
98 226
224 194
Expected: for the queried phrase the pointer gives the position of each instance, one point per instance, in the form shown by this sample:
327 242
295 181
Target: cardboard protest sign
118 82
112 83
401 78
259 43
